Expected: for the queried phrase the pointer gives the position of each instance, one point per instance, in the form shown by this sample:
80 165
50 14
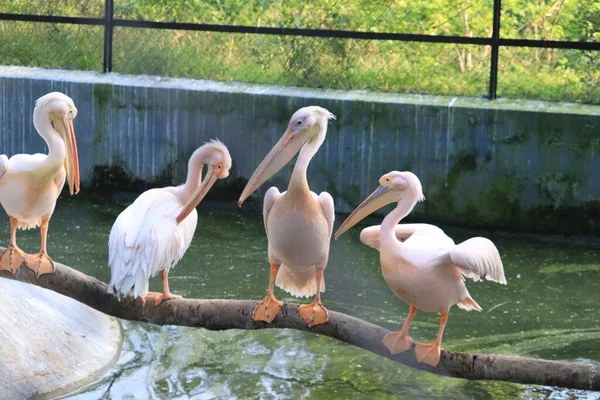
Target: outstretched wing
479 258
328 207
270 197
146 239
419 235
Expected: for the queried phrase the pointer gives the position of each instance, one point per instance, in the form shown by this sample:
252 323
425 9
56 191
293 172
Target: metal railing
495 41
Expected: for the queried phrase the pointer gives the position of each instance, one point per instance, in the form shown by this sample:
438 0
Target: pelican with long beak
154 232
422 265
298 223
31 183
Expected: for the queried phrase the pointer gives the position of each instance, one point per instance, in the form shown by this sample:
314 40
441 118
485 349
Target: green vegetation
551 74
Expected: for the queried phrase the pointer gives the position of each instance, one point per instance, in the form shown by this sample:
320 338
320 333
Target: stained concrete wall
513 164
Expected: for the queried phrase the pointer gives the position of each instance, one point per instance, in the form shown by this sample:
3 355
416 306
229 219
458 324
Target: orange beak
281 154
209 180
71 164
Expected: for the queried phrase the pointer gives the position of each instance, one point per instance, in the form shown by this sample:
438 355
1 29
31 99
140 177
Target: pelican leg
314 313
397 342
40 262
430 353
166 294
268 309
13 257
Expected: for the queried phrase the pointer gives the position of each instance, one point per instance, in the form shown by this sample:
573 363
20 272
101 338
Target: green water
549 309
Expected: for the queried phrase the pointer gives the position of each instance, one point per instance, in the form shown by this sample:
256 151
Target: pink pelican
31 183
422 265
298 223
155 231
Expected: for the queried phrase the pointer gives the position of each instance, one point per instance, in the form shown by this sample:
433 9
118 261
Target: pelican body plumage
420 263
155 231
298 222
31 183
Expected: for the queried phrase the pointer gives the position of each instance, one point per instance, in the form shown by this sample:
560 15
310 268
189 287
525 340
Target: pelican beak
281 154
381 197
64 126
209 180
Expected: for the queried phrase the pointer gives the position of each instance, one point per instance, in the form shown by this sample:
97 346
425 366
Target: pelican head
393 187
305 126
61 111
215 156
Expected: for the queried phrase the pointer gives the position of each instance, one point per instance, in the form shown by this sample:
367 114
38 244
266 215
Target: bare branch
217 314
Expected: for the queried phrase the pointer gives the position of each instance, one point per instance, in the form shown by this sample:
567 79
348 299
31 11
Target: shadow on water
548 309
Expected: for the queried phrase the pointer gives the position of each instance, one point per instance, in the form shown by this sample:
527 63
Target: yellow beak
64 127
278 157
209 180
381 197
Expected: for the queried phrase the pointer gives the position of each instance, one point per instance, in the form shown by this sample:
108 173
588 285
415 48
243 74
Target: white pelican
298 223
154 232
422 265
31 183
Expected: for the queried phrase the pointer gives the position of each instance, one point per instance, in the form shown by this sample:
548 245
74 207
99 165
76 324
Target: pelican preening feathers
31 183
422 266
154 232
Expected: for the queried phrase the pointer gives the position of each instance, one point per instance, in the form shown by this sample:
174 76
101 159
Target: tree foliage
449 69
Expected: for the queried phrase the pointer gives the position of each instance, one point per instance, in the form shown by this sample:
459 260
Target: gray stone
51 344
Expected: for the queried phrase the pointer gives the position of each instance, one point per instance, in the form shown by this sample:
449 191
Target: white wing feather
479 258
270 197
146 239
328 207
418 235
3 164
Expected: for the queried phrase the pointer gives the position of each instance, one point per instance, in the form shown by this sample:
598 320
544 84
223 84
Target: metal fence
108 23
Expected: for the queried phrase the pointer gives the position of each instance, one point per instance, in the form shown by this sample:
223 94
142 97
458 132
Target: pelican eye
299 122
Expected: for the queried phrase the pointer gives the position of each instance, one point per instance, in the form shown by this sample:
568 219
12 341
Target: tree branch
236 314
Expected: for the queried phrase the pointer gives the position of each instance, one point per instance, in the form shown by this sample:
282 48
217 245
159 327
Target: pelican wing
419 235
3 164
270 197
479 258
146 239
328 207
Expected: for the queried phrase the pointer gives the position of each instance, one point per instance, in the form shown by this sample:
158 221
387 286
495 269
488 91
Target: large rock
51 344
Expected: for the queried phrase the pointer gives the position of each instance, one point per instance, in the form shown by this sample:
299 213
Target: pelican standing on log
31 183
422 265
154 232
298 223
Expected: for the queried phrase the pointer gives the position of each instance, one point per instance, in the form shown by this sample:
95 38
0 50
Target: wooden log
215 314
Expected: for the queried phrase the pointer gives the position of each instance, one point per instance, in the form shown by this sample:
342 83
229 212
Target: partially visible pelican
31 183
154 232
298 223
422 265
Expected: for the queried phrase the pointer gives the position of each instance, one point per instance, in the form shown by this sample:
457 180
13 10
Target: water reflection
548 309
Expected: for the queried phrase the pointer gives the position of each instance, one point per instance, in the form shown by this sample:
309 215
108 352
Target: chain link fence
323 62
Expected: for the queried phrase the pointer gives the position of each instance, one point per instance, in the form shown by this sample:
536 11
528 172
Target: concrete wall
513 164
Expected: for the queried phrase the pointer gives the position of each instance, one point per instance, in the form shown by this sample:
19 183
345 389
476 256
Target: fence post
495 49
108 34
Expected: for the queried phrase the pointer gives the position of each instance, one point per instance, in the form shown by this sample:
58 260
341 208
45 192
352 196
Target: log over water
215 314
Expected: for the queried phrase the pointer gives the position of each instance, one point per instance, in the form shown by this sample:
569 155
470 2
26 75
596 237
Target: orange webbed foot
428 353
313 314
11 259
267 309
397 342
40 262
159 297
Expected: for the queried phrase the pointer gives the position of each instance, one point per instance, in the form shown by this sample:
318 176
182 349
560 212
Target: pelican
31 183
422 265
154 232
298 223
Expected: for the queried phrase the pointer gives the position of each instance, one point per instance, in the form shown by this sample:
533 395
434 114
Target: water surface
549 309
